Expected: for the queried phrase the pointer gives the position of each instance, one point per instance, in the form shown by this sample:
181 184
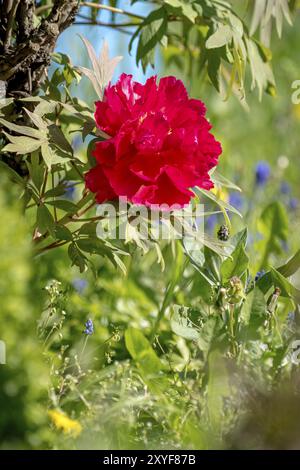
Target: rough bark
24 60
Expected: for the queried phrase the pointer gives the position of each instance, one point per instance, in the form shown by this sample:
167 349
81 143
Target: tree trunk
25 50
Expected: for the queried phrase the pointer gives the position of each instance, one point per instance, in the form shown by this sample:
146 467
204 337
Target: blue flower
285 188
259 275
291 317
69 189
89 327
236 200
293 203
79 284
262 173
211 222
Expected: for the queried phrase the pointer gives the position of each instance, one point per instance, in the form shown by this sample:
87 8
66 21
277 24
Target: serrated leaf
37 120
77 257
24 130
57 138
22 145
50 156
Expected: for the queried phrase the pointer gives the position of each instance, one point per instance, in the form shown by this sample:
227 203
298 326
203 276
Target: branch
112 9
33 55
43 8
100 23
10 23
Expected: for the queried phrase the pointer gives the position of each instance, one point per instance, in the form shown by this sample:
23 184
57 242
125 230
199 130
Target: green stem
231 329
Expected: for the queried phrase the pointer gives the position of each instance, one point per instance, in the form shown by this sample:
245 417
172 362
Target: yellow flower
296 111
67 425
220 193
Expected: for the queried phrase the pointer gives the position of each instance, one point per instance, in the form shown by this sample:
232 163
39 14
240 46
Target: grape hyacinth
236 200
293 204
89 327
285 188
259 275
262 173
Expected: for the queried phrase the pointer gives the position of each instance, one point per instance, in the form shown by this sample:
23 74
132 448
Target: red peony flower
159 146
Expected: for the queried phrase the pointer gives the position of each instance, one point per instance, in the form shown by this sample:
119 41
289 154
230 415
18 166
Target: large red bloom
159 146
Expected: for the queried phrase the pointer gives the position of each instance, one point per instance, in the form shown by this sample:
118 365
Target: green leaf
57 138
186 9
37 120
220 180
208 334
24 130
291 267
148 363
217 390
64 205
36 170
59 190
77 257
273 225
213 67
254 308
222 204
50 156
92 246
150 34
45 221
220 38
63 233
22 145
237 263
182 325
14 176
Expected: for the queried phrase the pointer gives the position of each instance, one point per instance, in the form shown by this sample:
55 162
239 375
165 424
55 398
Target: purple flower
89 327
211 222
79 284
293 203
285 187
236 200
262 173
